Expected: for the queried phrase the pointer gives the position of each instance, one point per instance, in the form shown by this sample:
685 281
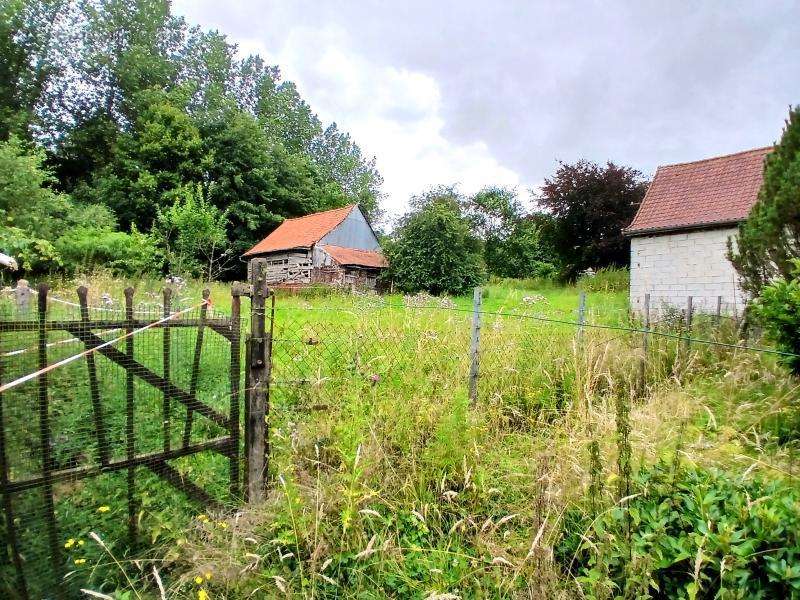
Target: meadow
574 474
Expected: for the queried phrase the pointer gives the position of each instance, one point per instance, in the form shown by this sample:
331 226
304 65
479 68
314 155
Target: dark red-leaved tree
591 205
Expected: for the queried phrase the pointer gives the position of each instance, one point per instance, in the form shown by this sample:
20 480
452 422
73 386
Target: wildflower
198 580
103 509
375 378
80 542
222 524
202 594
208 575
202 518
70 543
80 561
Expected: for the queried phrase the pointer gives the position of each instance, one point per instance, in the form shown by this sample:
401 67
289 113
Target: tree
514 244
591 205
31 35
191 233
163 152
434 248
768 242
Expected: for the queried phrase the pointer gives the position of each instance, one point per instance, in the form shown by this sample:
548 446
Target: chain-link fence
118 419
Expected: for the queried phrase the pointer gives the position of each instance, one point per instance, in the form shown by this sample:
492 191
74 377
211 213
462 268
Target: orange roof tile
352 256
708 192
301 232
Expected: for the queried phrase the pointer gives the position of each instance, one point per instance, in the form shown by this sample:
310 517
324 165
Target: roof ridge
721 156
322 212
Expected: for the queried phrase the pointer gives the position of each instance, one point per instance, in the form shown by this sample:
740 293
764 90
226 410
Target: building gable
353 232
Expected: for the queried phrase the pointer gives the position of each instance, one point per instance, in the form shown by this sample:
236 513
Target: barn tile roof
352 256
705 193
301 232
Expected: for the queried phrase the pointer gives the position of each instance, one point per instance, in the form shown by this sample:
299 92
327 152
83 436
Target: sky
480 93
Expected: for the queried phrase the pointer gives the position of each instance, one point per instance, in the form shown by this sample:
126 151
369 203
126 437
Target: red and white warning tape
12 384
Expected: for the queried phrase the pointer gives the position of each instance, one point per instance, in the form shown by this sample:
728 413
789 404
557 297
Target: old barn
680 234
335 247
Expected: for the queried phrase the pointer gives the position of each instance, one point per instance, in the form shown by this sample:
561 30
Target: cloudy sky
480 93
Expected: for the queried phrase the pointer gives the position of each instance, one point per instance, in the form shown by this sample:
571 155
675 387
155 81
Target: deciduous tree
591 205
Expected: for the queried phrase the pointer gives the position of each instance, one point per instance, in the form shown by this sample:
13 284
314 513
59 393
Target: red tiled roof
702 193
301 232
352 256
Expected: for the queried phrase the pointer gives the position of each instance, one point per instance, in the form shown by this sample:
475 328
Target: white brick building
680 234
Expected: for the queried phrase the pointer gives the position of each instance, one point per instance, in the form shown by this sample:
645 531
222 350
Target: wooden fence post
45 440
258 389
474 347
581 315
166 409
130 438
236 374
645 341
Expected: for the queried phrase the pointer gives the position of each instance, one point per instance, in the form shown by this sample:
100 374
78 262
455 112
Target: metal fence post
643 366
719 308
581 315
258 388
474 347
689 311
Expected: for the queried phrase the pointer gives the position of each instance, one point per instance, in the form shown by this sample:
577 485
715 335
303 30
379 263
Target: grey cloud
642 83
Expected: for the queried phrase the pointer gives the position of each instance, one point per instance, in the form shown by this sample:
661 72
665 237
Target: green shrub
609 279
126 254
777 309
434 249
694 533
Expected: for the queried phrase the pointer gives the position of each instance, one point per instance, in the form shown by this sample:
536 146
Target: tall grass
384 482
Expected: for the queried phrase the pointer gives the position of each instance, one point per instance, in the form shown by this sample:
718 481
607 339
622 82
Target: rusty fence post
474 346
258 375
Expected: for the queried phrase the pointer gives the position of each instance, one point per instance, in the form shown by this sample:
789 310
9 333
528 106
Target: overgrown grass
386 482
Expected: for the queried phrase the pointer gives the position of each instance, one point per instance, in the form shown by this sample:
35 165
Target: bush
605 280
777 309
693 533
126 254
434 248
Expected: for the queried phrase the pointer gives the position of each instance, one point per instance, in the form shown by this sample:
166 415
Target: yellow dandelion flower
198 580
202 594
80 542
222 524
70 543
80 561
103 509
208 575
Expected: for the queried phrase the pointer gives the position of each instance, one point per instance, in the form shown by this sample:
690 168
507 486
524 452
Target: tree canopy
768 242
434 248
121 104
590 206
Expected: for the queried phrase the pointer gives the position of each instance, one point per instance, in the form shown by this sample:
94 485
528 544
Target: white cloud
392 113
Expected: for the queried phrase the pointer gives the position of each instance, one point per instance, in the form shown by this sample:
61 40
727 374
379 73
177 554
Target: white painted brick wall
672 266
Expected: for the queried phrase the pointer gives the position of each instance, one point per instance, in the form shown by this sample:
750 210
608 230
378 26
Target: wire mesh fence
118 421
139 431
